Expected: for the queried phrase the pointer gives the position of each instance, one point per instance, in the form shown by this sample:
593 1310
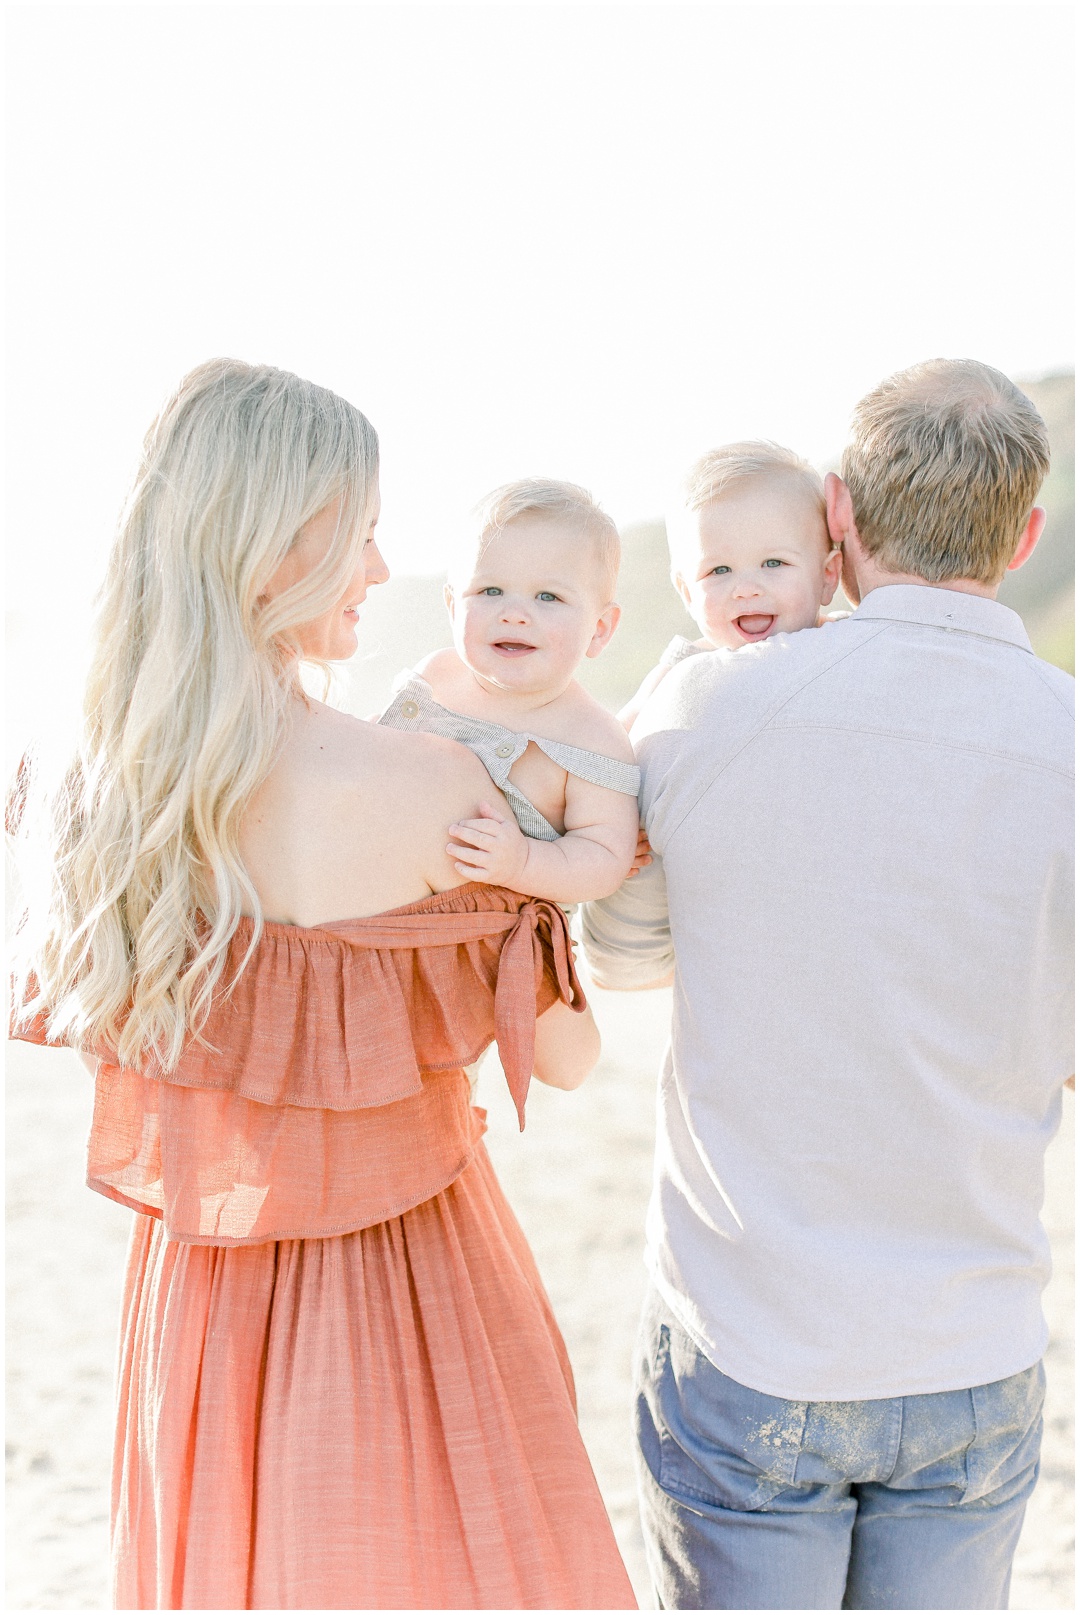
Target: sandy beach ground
579 1179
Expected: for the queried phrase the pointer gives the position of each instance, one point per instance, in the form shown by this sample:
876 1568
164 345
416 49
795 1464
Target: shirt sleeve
627 936
677 650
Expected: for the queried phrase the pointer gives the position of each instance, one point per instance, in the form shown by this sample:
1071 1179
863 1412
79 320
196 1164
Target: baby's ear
606 624
681 589
448 598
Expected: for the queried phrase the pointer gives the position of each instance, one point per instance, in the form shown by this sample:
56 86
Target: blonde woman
341 1385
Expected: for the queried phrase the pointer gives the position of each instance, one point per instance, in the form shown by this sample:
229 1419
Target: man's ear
833 563
606 625
1028 539
838 512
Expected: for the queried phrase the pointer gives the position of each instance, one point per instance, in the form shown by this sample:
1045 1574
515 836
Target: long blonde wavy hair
191 677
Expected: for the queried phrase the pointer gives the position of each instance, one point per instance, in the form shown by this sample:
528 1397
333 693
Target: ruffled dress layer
341 1384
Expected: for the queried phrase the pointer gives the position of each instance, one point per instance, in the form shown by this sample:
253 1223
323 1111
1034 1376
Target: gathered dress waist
326 1092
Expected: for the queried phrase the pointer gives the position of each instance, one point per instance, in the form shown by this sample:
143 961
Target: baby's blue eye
717 570
491 589
546 594
772 563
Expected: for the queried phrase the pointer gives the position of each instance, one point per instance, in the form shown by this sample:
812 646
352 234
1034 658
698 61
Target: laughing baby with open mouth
750 552
531 599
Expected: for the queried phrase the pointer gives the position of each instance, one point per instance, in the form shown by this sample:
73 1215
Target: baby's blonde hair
185 705
716 471
564 502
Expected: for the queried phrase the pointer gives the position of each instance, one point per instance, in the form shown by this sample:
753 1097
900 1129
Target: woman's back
353 818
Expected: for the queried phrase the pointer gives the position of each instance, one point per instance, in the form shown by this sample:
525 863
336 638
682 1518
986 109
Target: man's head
942 470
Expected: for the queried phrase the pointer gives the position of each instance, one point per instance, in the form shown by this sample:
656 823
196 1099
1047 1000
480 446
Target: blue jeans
749 1501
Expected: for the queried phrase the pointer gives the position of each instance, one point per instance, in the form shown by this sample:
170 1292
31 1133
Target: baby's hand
494 849
642 854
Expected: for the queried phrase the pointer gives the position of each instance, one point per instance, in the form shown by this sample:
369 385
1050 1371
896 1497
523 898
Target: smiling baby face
537 601
757 561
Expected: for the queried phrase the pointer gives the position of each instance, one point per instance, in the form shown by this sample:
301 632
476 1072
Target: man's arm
627 936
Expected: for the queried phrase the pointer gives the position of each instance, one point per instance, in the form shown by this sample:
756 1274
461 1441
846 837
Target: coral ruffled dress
341 1383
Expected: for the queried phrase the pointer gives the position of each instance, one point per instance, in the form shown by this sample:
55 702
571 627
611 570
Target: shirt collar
944 608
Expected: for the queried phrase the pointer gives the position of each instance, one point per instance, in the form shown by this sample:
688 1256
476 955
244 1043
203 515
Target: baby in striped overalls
531 599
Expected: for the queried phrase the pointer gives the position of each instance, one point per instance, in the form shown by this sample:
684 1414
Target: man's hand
490 848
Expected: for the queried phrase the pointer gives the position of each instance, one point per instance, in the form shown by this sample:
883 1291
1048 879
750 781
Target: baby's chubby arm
591 860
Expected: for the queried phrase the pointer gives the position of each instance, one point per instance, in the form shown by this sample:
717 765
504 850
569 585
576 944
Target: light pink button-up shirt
865 885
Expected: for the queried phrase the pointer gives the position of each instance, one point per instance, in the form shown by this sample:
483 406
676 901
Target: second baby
751 555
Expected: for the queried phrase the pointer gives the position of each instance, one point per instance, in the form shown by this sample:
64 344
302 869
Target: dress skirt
341 1385
379 1420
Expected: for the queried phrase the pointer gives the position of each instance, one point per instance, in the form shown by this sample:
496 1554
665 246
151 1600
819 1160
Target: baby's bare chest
543 782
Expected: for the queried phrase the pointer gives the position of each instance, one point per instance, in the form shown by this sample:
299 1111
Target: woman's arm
567 1046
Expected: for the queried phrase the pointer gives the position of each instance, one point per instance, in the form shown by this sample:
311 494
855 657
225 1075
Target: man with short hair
863 885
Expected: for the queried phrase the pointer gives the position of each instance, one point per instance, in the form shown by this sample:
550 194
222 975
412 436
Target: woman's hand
567 1046
491 848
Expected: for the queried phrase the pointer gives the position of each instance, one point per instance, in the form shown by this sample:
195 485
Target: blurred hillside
1043 591
405 620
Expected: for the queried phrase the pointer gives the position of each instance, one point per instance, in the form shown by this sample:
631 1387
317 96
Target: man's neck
869 578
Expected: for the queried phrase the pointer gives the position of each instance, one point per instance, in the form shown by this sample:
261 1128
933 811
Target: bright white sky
582 241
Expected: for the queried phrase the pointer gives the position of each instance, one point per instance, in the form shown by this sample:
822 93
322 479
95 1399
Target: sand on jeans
579 1180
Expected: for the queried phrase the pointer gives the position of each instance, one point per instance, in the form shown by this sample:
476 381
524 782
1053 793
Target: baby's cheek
712 610
720 633
802 610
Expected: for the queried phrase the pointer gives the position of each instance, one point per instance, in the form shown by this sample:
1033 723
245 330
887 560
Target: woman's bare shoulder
329 749
430 774
354 817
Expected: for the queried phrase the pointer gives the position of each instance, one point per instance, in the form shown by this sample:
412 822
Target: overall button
409 709
505 750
